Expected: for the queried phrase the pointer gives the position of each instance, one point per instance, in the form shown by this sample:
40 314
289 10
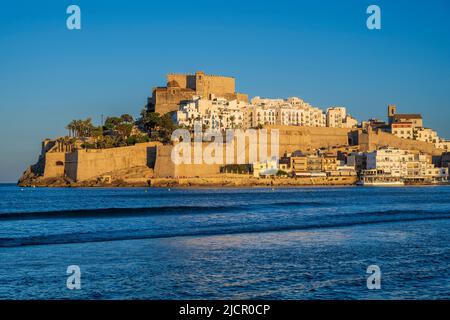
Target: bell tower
391 112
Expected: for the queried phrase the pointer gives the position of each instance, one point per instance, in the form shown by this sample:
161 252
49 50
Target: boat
376 177
380 183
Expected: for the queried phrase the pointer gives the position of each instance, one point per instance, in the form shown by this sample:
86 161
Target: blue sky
321 51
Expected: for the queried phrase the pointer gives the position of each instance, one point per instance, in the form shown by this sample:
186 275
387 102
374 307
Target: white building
403 130
402 163
217 113
337 117
427 135
289 112
443 144
263 115
406 130
265 168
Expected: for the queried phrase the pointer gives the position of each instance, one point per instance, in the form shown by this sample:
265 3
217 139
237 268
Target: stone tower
391 112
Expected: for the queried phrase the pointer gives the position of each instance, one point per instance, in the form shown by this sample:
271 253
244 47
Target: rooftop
407 116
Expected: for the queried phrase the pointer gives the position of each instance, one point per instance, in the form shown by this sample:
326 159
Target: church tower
391 112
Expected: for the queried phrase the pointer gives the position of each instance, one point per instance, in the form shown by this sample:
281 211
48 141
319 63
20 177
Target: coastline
228 180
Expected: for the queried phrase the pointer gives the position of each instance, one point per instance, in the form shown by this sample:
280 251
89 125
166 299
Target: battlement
181 87
199 72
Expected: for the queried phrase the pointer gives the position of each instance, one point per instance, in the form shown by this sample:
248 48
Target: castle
182 87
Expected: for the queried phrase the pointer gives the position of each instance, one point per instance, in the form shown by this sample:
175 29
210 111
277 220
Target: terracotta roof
408 116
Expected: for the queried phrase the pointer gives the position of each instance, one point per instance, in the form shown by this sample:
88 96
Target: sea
225 243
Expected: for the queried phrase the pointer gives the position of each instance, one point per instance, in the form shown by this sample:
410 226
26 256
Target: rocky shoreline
216 181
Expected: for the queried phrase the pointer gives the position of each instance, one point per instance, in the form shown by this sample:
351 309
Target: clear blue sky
318 50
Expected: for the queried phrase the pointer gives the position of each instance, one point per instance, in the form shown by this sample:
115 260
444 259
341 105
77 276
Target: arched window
59 163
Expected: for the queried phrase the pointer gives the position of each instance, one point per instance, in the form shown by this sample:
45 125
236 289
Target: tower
391 112
200 84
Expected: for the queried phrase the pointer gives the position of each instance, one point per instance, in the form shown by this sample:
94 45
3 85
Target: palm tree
80 128
87 127
77 128
71 128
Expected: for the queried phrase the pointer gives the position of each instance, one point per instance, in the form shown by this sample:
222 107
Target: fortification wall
85 164
310 138
168 99
290 140
71 165
375 139
242 97
54 164
218 85
183 80
164 167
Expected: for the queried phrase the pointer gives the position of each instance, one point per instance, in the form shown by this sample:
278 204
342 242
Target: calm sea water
299 243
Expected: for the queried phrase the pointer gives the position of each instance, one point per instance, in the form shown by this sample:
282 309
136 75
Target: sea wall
88 164
165 167
82 165
85 164
54 164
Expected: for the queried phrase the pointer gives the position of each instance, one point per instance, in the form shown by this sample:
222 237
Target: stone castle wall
204 84
373 140
183 80
218 85
165 167
183 86
290 139
166 100
87 164
54 164
310 138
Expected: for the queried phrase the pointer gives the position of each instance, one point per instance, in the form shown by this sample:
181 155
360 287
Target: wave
144 211
147 234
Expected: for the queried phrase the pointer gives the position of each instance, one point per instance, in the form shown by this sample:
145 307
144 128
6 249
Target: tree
124 129
167 123
112 122
86 127
71 128
151 120
80 128
127 118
